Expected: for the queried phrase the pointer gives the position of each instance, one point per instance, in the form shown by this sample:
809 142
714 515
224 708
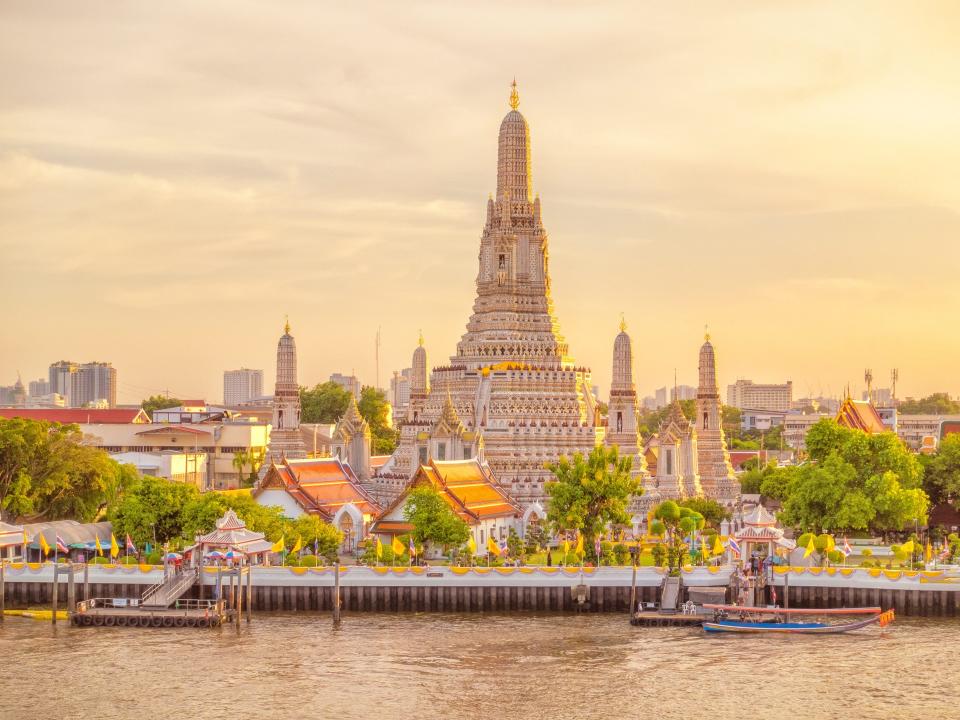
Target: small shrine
232 540
760 529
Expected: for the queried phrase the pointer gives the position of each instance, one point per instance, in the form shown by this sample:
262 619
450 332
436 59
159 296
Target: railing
168 591
134 604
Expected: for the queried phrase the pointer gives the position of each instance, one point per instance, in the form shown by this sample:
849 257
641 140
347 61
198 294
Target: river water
494 667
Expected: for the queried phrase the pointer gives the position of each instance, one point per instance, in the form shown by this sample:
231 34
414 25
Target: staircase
171 590
670 595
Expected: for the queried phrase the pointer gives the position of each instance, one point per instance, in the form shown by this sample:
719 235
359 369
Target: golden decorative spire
514 95
706 332
286 326
420 342
623 323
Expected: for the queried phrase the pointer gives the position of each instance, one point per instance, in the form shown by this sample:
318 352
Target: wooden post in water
71 591
239 609
633 591
249 592
3 590
336 594
786 590
55 576
86 580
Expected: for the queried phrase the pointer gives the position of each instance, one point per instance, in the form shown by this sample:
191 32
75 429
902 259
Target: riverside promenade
444 589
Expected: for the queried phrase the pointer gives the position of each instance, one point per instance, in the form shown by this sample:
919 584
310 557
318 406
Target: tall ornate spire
514 181
286 325
514 95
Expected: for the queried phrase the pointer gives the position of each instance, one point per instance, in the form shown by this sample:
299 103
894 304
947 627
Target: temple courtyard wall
450 589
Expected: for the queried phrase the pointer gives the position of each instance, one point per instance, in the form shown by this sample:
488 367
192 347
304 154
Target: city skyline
348 192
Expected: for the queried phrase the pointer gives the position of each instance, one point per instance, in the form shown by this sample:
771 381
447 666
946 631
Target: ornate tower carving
716 472
351 440
285 438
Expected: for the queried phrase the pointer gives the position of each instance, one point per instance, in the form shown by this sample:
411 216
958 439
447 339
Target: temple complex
286 440
511 391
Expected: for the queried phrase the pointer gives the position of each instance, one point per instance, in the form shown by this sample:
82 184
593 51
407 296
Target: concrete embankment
445 589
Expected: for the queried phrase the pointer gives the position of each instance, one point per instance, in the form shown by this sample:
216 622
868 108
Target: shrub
100 560
129 560
659 553
153 558
308 561
621 553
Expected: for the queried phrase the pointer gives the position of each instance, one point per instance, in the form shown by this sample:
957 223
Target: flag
928 555
44 545
472 545
717 545
412 547
566 547
831 545
579 550
26 540
298 545
492 547
130 547
114 548
379 548
279 546
596 547
907 547
847 550
810 548
733 544
396 546
147 548
61 545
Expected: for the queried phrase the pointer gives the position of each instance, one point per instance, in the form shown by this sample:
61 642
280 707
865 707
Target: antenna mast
894 376
868 379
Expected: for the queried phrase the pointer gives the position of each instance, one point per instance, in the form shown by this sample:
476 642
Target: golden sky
175 177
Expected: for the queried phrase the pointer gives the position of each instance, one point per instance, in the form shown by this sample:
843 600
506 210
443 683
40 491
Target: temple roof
231 532
99 416
320 485
759 516
860 415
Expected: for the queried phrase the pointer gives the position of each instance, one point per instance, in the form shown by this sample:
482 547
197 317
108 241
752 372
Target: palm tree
240 460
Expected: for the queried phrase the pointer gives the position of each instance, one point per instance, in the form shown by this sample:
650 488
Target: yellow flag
704 548
297 545
579 544
397 546
928 556
26 540
472 545
114 548
279 546
96 541
907 547
717 545
810 548
566 547
831 545
44 545
492 546
379 548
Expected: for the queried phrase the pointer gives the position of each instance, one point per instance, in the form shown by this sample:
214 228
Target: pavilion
232 535
760 531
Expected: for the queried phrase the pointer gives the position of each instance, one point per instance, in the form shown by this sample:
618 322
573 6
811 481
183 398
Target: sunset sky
176 177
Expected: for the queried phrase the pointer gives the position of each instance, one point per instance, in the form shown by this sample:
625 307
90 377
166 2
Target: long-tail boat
749 620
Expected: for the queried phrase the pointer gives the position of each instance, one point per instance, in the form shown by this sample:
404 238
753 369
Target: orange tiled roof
860 415
322 484
96 416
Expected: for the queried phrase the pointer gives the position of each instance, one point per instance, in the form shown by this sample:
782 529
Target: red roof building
860 415
80 416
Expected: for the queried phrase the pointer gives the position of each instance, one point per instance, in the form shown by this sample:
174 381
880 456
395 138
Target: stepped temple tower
285 438
622 417
716 472
512 384
352 440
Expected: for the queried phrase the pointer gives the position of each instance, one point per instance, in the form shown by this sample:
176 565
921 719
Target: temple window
441 451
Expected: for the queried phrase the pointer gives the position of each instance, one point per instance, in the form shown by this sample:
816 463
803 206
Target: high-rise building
240 386
93 383
748 395
511 393
661 397
350 383
400 392
683 392
39 388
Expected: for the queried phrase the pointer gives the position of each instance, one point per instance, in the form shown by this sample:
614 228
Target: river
489 667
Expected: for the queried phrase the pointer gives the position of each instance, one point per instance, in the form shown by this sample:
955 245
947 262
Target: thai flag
733 545
413 548
130 546
61 545
596 546
846 550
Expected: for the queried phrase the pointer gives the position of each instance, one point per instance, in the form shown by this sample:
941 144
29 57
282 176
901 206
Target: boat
750 620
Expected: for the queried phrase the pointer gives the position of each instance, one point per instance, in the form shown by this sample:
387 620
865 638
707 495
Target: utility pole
894 376
868 379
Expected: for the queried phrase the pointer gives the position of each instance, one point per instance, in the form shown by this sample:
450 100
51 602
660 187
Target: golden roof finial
420 341
514 95
706 332
286 326
623 323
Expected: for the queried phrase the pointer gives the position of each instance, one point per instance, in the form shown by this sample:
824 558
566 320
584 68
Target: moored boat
750 620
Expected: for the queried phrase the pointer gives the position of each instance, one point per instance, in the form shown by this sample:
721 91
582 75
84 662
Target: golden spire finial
286 326
420 341
514 95
623 323
706 332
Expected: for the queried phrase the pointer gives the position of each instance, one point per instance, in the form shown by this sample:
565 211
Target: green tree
46 473
375 409
325 403
677 523
934 404
514 544
434 521
712 511
159 402
591 493
941 472
535 538
312 531
153 511
240 460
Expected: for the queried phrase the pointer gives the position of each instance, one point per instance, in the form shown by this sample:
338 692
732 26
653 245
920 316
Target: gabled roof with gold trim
860 415
468 487
319 485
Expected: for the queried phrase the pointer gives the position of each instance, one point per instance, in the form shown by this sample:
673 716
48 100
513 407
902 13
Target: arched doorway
346 527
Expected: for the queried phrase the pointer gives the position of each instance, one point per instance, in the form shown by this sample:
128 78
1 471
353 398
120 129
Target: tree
375 409
677 523
941 472
535 538
325 403
315 532
46 473
159 402
240 459
153 511
712 511
933 404
434 521
591 493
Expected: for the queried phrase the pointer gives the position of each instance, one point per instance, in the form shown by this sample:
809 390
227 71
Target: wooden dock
114 612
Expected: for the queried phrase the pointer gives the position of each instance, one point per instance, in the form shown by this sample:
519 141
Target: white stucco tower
285 438
716 473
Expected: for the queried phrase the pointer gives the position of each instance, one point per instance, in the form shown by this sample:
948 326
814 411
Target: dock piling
56 577
249 593
336 594
3 607
633 591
